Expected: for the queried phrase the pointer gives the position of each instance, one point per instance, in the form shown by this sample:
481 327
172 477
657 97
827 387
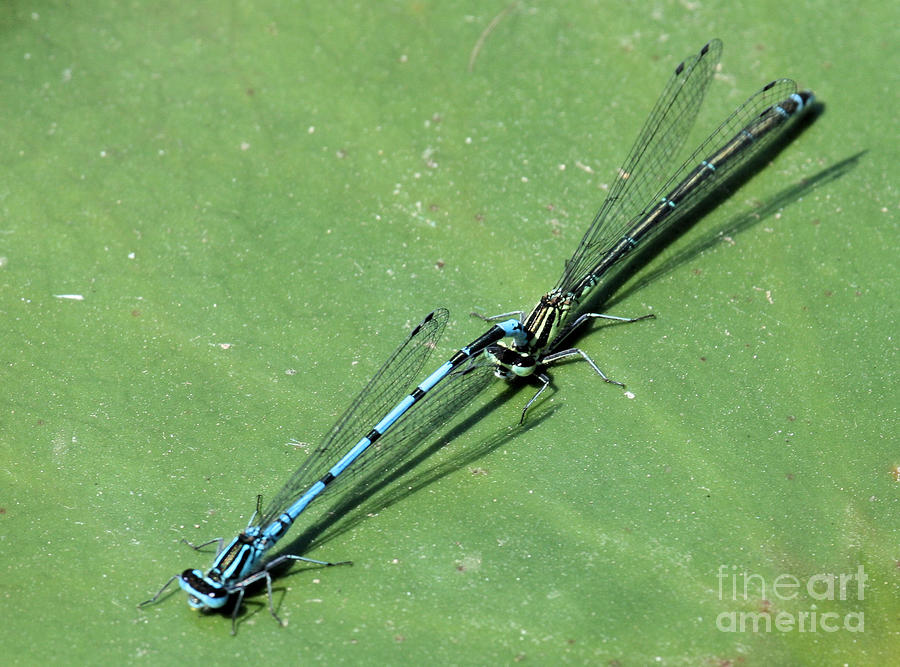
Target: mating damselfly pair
653 191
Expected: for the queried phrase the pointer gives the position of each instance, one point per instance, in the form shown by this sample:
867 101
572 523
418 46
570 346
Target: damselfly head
203 592
509 363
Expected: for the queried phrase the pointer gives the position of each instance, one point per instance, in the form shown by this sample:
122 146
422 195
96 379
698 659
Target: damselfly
648 196
242 562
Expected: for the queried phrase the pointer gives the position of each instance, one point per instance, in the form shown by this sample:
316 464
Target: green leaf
218 221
